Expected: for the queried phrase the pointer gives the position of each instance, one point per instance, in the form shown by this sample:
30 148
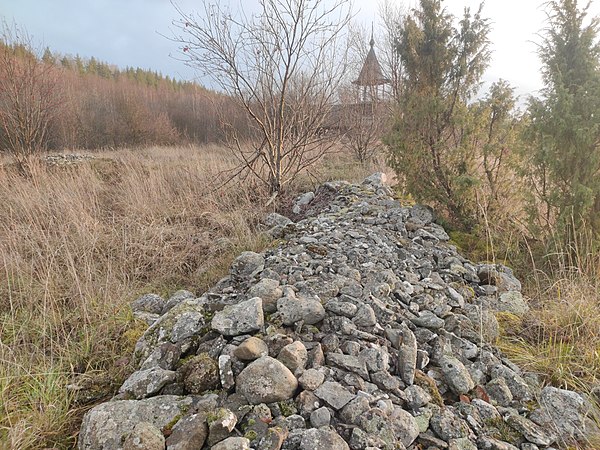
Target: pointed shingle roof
371 73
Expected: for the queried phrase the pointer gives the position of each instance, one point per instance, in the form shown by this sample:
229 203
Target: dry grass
77 244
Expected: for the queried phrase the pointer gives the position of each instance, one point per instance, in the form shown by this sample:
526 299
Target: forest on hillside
70 102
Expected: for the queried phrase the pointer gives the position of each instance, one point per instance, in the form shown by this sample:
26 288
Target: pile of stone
363 329
65 159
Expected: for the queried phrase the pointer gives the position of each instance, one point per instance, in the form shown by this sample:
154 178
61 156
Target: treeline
53 101
491 168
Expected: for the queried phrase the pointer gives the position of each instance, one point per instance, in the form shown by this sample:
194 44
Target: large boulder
266 380
107 425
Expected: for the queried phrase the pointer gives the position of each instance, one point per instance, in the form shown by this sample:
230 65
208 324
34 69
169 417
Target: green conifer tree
564 125
442 68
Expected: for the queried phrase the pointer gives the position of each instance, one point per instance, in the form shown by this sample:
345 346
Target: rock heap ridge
363 329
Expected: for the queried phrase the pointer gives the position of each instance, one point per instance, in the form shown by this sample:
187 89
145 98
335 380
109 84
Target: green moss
502 431
168 427
219 414
426 383
251 435
287 408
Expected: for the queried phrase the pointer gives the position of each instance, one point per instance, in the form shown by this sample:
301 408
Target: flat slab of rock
334 394
245 317
144 383
322 438
108 424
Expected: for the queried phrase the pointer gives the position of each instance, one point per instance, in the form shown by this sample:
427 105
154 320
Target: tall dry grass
78 243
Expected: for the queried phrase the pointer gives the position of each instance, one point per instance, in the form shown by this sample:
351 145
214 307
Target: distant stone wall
364 328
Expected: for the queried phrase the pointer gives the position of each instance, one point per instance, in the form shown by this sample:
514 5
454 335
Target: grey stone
456 375
184 320
407 354
365 317
512 302
164 356
189 433
108 424
334 394
226 372
320 417
376 359
499 391
150 303
352 412
247 265
348 362
145 383
311 379
177 298
423 213
294 310
375 422
274 219
266 380
416 396
563 412
322 438
144 436
269 292
377 179
531 431
428 319
232 443
404 425
243 318
448 425
220 424
345 309
488 443
517 385
498 275
461 444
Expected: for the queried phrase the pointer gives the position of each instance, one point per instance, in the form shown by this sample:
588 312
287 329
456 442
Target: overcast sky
128 32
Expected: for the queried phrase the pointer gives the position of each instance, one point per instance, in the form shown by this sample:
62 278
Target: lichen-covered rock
307 310
266 380
189 433
144 383
322 439
456 374
144 436
247 265
200 374
232 443
242 318
563 412
108 424
150 303
334 394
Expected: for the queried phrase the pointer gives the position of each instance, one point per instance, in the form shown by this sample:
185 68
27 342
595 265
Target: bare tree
283 65
363 126
391 15
29 95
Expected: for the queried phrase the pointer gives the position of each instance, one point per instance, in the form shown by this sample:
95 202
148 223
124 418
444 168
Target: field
79 242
